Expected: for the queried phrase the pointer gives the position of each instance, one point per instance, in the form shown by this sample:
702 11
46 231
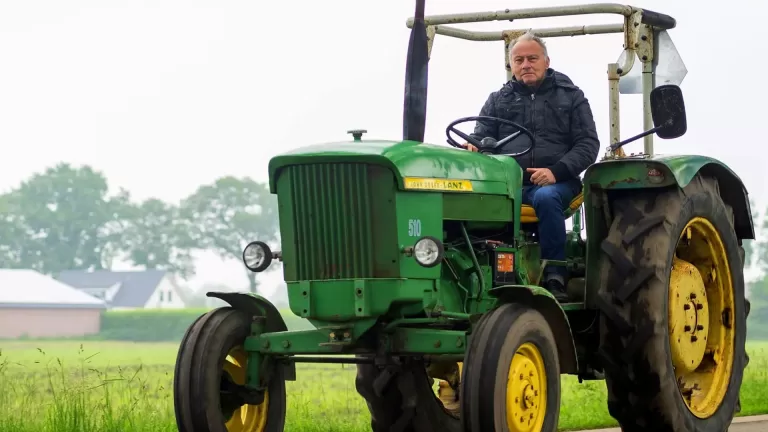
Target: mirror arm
619 144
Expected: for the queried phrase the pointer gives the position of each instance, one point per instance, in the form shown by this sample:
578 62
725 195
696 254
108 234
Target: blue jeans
549 202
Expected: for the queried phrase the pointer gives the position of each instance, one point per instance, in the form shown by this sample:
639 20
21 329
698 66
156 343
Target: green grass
121 386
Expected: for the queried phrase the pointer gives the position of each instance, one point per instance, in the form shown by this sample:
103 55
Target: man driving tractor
555 110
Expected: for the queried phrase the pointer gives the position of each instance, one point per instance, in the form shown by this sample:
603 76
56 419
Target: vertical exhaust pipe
415 104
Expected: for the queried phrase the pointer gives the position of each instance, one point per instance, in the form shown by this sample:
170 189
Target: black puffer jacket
557 114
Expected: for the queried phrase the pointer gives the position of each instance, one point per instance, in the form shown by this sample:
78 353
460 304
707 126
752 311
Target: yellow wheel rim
526 390
247 418
701 306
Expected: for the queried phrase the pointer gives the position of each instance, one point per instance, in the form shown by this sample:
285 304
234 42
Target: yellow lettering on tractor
438 184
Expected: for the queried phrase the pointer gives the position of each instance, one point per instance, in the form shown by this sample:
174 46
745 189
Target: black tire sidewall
182 377
469 385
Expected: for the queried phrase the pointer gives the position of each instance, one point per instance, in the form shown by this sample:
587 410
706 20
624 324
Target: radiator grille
332 221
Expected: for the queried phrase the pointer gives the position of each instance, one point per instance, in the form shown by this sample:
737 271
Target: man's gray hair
529 36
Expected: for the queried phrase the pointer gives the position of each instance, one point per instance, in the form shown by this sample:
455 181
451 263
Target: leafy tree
760 248
756 254
228 214
155 237
11 235
62 219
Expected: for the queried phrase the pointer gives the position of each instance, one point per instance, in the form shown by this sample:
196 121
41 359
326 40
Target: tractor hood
415 165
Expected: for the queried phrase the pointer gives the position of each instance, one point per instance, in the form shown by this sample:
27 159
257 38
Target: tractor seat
528 214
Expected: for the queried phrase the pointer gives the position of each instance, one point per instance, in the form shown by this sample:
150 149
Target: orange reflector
505 262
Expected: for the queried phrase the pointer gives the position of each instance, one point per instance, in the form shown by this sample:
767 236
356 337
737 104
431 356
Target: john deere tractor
419 264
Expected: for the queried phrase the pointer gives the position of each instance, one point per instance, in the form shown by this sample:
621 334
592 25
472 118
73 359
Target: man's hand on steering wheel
469 147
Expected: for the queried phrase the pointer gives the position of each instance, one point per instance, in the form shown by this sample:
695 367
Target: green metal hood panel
489 174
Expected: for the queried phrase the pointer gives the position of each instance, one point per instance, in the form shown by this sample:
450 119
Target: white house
35 305
141 289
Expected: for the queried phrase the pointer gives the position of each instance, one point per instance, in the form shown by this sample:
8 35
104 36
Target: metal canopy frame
639 26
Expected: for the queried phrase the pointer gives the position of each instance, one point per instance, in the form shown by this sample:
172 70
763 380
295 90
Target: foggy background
163 96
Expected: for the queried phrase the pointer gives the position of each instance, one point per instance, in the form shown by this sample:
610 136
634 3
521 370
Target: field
121 386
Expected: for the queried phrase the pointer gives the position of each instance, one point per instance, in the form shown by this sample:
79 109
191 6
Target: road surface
740 424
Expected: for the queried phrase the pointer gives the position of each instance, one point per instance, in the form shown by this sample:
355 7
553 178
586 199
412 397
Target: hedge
164 325
757 323
169 325
157 325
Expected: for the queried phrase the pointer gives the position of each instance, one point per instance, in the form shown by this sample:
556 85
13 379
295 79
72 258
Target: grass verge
122 386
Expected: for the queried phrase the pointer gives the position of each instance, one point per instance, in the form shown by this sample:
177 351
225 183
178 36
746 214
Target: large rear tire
673 321
210 353
511 378
400 398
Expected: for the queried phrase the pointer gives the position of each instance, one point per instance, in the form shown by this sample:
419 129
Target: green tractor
418 263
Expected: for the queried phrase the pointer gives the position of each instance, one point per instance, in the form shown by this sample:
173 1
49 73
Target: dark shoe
557 289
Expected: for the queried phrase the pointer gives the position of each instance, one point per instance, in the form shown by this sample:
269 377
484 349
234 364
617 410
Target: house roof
135 286
23 288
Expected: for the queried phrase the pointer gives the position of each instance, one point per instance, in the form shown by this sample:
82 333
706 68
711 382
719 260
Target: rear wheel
673 316
511 375
401 398
211 362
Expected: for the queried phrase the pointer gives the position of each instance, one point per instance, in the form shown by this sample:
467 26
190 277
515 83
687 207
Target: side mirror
668 111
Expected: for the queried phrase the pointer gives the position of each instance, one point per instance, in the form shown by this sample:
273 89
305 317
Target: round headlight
428 251
257 256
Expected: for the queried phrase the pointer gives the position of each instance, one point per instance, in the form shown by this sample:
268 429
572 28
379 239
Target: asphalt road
740 424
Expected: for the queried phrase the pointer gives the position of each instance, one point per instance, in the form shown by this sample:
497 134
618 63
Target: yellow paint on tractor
526 390
247 418
701 307
447 394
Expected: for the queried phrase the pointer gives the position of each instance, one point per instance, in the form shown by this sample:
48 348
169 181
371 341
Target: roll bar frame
639 26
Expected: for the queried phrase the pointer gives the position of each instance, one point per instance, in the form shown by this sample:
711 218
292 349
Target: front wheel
211 359
511 378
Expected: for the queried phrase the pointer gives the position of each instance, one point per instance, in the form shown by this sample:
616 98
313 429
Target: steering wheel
489 145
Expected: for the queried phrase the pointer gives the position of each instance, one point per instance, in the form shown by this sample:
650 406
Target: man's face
529 64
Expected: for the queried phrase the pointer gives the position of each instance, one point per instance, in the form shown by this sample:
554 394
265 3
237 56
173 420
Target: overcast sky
165 95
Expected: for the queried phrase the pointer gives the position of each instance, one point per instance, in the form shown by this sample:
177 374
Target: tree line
65 219
756 256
